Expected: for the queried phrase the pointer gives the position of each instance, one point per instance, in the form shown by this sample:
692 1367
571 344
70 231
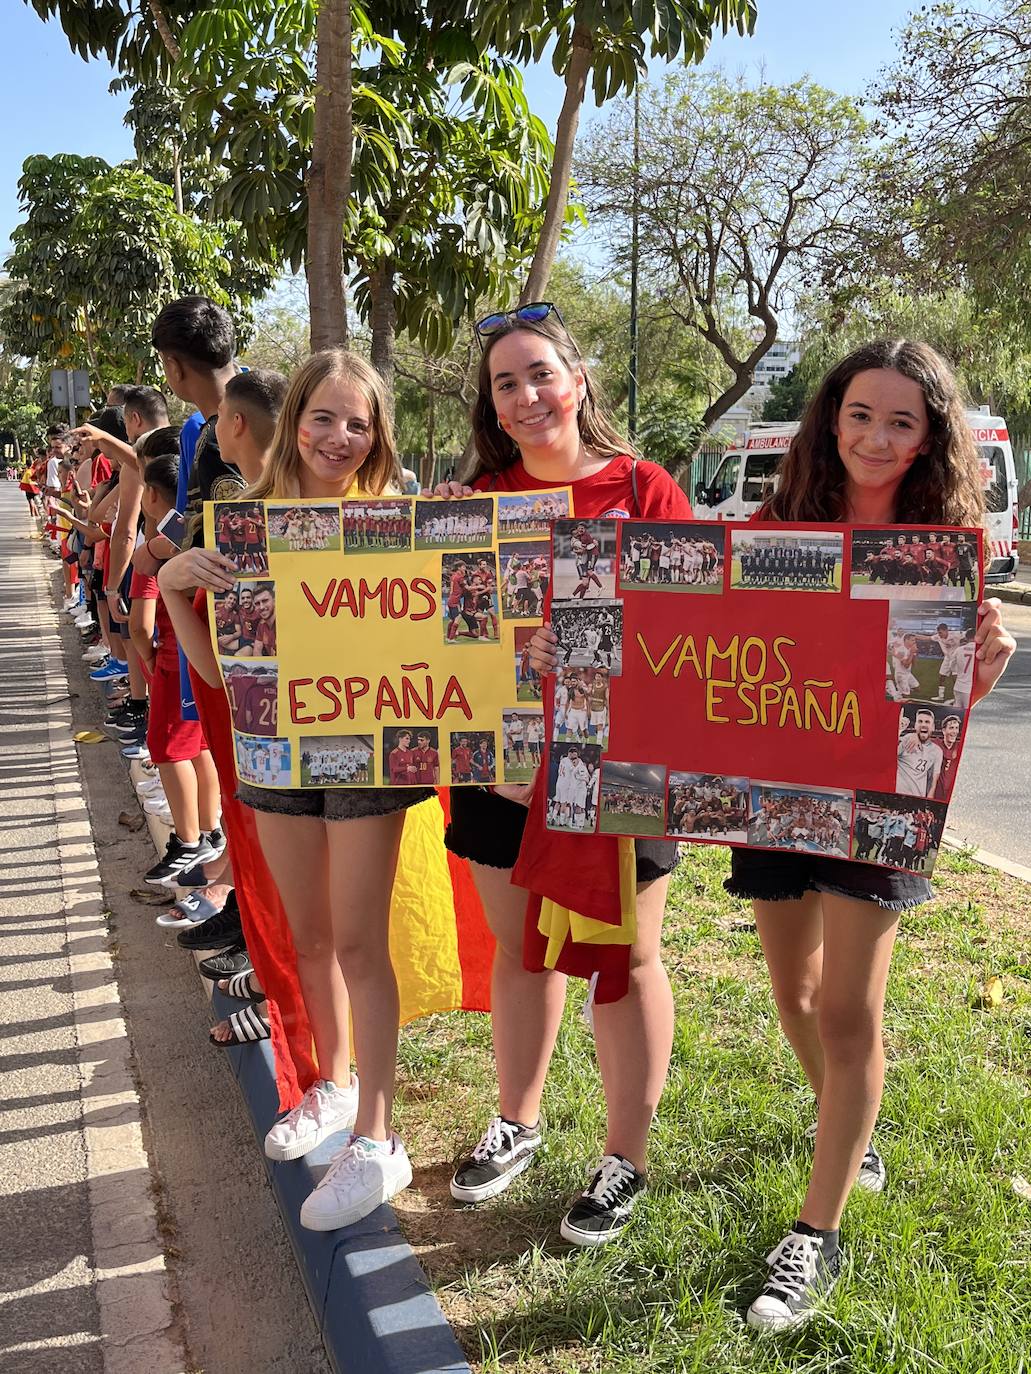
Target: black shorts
332 803
488 829
763 876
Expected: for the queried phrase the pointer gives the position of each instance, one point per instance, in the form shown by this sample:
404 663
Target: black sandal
241 987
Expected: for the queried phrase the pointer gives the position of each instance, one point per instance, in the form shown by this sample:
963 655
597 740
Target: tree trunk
164 31
580 56
429 458
383 321
177 177
329 177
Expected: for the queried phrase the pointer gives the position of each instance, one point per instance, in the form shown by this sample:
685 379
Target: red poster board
780 686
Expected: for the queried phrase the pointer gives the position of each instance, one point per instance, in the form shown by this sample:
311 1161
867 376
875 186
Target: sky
53 102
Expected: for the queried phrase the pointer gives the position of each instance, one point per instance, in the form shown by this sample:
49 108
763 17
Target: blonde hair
379 472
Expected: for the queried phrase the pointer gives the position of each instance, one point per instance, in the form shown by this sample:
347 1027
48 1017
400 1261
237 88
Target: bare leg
180 787
526 1007
296 850
634 1036
362 862
859 939
137 680
208 795
792 941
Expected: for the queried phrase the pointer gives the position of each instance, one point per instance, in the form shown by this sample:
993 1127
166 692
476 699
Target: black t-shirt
211 479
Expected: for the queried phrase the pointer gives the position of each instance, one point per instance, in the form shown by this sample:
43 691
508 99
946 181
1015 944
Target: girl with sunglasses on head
884 441
538 423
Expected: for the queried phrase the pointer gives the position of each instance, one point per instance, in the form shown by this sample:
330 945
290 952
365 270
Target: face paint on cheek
304 436
567 400
505 424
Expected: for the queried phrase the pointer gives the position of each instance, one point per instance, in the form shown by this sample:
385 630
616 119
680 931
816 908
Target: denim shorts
761 875
332 803
488 829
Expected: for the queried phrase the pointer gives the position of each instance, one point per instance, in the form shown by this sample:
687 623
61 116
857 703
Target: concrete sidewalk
83 1281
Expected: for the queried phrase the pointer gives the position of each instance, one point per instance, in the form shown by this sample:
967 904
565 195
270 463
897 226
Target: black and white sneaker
872 1174
178 858
800 1278
217 932
602 1211
215 841
505 1150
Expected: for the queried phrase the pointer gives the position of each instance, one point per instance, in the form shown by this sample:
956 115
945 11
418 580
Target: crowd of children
290 889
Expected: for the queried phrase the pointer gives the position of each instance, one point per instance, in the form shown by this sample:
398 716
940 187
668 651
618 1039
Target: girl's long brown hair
495 450
943 485
281 477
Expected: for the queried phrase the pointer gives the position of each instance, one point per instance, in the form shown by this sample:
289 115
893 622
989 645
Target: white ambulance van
747 476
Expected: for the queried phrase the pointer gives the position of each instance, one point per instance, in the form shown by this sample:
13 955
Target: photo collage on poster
930 580
494 568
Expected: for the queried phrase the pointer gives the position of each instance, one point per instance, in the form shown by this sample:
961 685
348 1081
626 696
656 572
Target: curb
1015 593
366 1289
984 856
369 1295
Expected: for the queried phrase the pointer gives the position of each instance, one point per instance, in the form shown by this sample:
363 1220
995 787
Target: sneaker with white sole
505 1150
872 1176
800 1278
215 841
178 856
602 1211
360 1178
324 1109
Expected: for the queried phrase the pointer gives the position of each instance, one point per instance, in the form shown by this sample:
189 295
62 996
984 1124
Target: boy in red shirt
176 746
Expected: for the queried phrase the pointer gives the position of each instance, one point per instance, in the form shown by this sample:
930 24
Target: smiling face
334 437
265 605
882 429
536 396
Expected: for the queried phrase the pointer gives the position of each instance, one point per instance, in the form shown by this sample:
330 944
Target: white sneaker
97 654
359 1179
324 1109
84 622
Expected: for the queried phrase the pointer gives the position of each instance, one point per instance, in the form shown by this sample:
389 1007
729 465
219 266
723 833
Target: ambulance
747 476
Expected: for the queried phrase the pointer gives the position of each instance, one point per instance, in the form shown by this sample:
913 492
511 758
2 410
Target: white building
774 366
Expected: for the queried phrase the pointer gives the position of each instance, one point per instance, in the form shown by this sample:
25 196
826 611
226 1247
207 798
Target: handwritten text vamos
749 682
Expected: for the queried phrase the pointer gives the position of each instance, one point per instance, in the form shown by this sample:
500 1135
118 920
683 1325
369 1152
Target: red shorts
171 739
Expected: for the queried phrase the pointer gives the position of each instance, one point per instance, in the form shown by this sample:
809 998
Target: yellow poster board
382 641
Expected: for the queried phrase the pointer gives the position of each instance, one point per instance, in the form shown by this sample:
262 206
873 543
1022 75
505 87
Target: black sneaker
193 877
800 1278
235 959
505 1150
217 931
178 857
132 724
602 1211
215 841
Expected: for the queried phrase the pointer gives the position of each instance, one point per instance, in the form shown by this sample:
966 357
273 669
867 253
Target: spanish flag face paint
534 392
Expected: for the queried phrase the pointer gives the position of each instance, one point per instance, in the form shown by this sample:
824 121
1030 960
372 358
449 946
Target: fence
1021 441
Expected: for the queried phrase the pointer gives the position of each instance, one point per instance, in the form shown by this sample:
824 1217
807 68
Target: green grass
520 773
939 1269
278 545
735 581
627 584
611 823
525 692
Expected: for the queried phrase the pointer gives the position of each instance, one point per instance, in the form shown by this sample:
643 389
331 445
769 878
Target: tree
100 250
958 102
604 42
748 198
329 175
788 396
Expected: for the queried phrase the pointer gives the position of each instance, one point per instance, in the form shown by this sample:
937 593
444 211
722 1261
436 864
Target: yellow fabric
557 922
423 932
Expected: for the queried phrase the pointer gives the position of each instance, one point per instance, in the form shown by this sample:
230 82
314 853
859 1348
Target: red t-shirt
145 588
608 493
462 761
427 762
265 635
402 766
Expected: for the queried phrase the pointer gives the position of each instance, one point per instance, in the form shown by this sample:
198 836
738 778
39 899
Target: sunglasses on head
531 313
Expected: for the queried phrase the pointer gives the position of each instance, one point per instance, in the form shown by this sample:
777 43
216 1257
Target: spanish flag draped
439 940
581 917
